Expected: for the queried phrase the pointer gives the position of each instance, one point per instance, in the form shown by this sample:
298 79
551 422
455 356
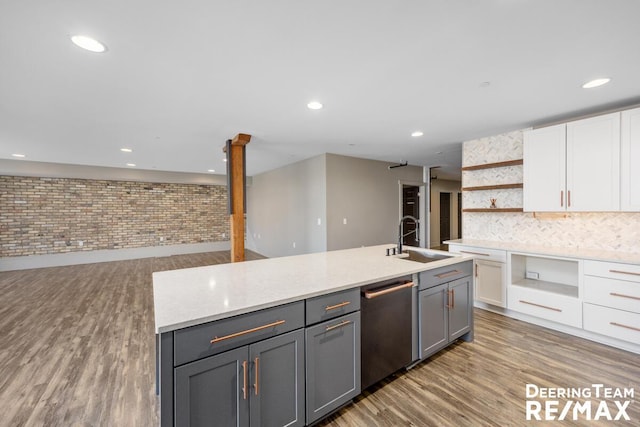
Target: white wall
283 208
443 186
367 194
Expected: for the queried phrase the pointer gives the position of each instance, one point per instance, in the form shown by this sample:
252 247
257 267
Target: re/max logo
605 408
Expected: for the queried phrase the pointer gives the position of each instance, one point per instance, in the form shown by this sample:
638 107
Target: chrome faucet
401 234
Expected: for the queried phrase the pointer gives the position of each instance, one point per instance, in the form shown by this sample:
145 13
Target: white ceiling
181 77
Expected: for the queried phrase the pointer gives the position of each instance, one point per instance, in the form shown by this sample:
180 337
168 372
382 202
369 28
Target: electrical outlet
344 221
319 221
532 275
224 235
294 244
80 243
162 238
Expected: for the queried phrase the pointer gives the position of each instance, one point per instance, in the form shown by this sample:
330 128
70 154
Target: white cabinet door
544 169
630 161
593 164
491 282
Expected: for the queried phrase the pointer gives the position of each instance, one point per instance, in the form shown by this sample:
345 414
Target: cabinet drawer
204 340
613 323
613 270
327 307
546 305
445 274
612 293
480 253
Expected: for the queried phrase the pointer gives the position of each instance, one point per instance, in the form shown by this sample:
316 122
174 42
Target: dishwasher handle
376 294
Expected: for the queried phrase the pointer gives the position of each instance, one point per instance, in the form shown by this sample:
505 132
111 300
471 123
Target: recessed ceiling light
417 133
314 105
19 155
131 164
126 150
88 43
596 83
211 170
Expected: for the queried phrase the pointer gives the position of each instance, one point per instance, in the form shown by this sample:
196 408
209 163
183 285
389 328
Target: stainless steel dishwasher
386 331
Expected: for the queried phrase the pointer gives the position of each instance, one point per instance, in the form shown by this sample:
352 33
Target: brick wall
53 215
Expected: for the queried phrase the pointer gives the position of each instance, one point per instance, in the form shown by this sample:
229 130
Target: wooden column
236 182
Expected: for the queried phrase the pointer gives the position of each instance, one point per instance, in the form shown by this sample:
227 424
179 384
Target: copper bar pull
474 253
561 198
624 272
248 331
256 362
333 307
453 298
339 325
623 295
375 294
448 273
244 380
633 328
568 198
541 306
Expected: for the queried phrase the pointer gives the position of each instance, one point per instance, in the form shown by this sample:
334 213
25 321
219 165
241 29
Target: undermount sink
424 256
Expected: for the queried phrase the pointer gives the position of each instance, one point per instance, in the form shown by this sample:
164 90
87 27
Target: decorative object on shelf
493 203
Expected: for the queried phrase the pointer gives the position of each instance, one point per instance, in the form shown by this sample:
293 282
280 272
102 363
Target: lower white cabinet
491 287
546 305
490 273
620 324
612 300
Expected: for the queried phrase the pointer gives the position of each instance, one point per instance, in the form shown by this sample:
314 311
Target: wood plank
77 347
493 165
493 187
492 210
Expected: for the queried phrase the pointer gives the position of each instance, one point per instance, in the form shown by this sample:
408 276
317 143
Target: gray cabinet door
433 319
333 364
460 307
277 381
209 392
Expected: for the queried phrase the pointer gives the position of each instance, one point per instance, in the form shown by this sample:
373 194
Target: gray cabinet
210 391
433 320
460 308
333 364
445 308
257 385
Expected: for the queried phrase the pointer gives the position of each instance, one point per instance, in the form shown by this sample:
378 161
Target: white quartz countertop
193 296
568 252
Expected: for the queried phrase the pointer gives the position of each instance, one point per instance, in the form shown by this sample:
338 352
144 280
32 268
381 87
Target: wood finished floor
77 349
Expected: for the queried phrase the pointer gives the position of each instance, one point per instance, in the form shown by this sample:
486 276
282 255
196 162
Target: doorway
410 205
445 217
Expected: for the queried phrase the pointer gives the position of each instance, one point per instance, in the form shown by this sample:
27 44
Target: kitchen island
220 326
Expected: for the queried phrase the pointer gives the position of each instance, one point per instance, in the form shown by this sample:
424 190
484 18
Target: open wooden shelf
492 187
493 165
492 210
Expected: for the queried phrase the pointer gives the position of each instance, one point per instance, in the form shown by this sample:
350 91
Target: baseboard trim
89 257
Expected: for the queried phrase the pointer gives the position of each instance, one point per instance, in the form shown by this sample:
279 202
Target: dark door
445 217
410 206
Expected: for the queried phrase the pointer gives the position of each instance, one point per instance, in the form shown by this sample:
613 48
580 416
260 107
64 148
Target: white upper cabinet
593 164
544 169
573 166
630 161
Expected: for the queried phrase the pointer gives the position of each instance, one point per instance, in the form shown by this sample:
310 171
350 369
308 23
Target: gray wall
283 208
367 194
